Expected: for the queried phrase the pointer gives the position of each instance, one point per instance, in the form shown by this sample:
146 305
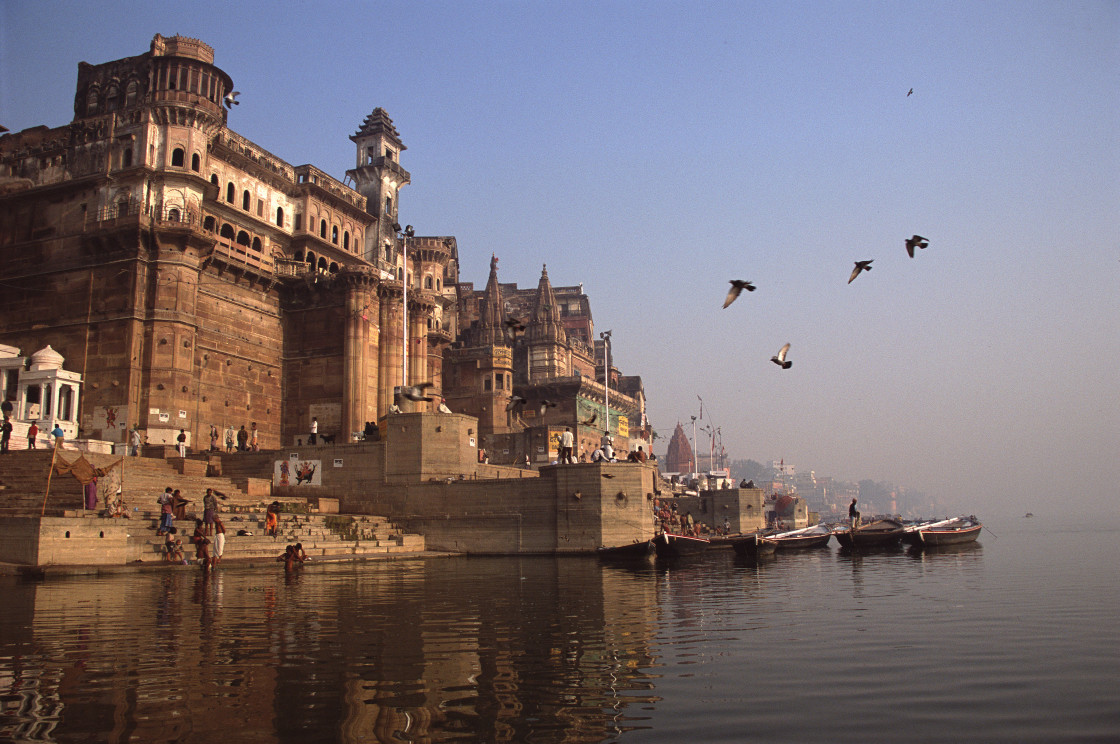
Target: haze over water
1013 639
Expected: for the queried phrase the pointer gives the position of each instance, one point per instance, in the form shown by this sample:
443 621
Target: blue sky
655 150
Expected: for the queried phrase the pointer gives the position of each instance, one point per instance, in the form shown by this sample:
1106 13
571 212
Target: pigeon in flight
910 93
591 421
415 392
231 99
860 266
780 359
737 287
515 403
916 241
545 405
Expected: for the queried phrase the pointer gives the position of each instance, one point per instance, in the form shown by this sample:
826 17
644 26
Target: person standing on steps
313 438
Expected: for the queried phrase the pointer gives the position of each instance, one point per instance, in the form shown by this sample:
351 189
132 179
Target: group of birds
738 285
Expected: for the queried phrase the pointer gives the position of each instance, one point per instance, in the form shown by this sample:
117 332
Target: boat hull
802 542
753 546
636 551
673 546
885 533
939 536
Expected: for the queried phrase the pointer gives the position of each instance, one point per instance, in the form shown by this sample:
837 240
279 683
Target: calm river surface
1015 639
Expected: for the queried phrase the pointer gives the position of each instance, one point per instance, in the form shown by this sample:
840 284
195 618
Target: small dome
46 358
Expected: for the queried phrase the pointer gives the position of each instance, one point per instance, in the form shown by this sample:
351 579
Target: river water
1013 639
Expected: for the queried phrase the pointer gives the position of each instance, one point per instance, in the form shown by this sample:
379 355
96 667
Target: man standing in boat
853 515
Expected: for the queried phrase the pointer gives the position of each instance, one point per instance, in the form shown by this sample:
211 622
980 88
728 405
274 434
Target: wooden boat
669 545
946 532
754 545
882 533
640 550
802 539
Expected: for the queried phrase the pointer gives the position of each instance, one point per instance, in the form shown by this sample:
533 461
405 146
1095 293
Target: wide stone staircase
324 537
24 484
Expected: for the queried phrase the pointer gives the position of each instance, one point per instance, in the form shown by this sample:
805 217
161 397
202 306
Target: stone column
358 362
390 339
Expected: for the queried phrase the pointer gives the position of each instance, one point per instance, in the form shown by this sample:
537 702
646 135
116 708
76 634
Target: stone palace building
192 280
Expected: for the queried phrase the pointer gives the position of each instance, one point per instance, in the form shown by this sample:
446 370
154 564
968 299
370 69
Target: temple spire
491 322
545 324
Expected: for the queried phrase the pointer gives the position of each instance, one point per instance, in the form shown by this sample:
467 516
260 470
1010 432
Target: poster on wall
297 472
109 422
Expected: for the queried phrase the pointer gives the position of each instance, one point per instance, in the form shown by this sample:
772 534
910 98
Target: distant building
679 458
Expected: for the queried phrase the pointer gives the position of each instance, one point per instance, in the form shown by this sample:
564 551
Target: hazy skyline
653 151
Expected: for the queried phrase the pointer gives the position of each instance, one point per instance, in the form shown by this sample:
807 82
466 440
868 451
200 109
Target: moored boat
802 539
753 545
946 532
635 551
882 533
669 545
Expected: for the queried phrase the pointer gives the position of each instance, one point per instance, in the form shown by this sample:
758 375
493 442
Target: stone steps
311 531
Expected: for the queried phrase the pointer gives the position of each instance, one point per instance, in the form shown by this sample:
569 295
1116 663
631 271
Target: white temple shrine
39 391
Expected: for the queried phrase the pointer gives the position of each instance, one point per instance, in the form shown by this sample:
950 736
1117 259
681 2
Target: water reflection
471 649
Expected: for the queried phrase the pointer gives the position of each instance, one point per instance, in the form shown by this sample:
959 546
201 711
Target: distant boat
1028 515
882 533
802 539
635 551
669 545
753 545
946 532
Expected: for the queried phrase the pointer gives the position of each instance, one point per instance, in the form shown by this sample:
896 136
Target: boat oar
993 534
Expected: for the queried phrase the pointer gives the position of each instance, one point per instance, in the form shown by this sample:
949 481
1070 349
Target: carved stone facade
196 280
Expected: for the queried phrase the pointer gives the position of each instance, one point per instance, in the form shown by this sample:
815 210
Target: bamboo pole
54 454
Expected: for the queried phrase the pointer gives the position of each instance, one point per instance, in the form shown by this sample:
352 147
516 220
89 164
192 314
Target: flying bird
231 99
860 266
415 392
780 359
591 421
545 405
916 241
737 287
515 403
608 475
910 93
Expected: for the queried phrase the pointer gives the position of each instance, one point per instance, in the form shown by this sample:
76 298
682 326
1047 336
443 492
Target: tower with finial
545 337
379 177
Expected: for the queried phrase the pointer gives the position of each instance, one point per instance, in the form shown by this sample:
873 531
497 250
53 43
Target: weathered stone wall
51 541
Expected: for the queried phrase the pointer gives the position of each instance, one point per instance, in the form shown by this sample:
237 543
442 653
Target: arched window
334 234
112 96
208 224
322 264
346 240
173 215
299 255
126 157
227 231
130 93
280 216
214 178
310 258
243 238
246 200
229 192
427 282
91 101
196 163
400 274
177 157
437 285
388 206
257 245
323 229
334 268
